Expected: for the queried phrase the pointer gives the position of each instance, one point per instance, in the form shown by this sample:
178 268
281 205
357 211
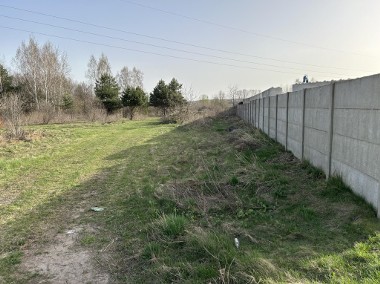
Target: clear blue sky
343 34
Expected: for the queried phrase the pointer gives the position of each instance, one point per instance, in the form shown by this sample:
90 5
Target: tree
134 97
130 78
107 90
54 71
67 102
233 89
42 72
137 78
28 63
97 68
5 81
168 96
84 100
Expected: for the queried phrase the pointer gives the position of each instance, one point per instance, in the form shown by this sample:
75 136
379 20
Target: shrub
11 112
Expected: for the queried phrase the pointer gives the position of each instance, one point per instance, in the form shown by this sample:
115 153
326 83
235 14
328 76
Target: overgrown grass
175 199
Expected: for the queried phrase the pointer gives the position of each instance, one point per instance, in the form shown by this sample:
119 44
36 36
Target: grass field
175 198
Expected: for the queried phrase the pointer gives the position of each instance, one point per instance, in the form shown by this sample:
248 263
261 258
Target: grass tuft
172 225
312 171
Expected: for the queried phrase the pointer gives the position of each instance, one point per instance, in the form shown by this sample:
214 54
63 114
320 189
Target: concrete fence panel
265 115
272 116
295 117
316 132
261 118
282 119
356 136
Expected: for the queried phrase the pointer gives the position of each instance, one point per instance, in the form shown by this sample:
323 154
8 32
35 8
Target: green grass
176 197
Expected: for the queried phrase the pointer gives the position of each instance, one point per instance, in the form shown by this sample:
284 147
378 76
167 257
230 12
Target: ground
174 199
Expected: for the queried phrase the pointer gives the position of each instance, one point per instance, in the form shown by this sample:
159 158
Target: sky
207 45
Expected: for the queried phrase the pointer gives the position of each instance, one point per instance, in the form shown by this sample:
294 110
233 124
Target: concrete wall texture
335 126
301 86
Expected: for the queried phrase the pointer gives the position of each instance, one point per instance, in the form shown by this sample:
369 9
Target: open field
174 199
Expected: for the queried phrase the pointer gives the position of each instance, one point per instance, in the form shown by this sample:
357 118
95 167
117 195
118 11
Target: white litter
237 243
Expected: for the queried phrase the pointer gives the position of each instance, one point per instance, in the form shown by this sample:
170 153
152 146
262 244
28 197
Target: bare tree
124 78
221 96
92 67
63 83
97 68
137 78
28 59
244 93
130 78
42 71
233 89
103 67
189 94
84 100
48 72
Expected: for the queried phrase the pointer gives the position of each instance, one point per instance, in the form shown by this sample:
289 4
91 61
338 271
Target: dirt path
64 261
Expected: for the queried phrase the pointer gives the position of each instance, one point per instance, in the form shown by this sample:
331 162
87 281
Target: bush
11 112
48 112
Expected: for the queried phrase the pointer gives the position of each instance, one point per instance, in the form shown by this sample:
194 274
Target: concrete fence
336 127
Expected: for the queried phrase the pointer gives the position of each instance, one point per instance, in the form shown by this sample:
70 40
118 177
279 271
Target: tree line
41 80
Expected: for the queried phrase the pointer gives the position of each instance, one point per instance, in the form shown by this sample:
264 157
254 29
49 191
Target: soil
64 261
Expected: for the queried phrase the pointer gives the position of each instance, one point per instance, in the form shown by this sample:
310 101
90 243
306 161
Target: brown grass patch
200 197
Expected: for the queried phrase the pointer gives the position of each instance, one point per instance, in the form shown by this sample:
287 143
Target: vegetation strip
175 199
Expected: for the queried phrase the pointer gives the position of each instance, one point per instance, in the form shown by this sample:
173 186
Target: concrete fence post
244 111
287 118
276 118
303 124
256 112
249 112
258 115
263 127
331 130
268 116
378 200
251 107
253 112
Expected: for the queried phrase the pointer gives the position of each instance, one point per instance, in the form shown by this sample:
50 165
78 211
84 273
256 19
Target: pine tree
107 90
134 97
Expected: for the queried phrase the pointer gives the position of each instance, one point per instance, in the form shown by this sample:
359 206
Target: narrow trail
64 259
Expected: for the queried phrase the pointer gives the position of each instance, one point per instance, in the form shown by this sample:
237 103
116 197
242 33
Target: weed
336 189
234 181
88 240
313 171
172 225
151 250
